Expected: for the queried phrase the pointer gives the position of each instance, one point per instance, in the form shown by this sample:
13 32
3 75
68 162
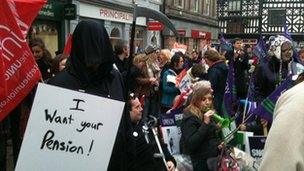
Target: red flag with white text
20 71
3 89
27 11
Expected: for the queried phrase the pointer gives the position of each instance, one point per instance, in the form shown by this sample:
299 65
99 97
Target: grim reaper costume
90 69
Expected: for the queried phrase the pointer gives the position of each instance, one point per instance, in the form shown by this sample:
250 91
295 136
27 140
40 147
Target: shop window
196 44
115 33
48 32
139 36
182 40
114 36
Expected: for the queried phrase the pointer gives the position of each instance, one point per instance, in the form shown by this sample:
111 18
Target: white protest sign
171 135
186 82
179 48
69 131
256 145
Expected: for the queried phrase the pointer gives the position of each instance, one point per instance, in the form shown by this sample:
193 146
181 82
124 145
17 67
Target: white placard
69 131
172 135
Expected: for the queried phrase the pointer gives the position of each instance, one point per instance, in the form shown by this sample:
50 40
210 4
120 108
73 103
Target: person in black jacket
270 74
217 75
199 133
90 69
142 148
241 66
121 50
42 57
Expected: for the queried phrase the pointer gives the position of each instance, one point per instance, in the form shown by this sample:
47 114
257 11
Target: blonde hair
167 54
198 95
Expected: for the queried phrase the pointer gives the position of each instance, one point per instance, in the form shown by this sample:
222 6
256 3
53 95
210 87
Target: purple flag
286 33
260 50
230 93
265 109
224 44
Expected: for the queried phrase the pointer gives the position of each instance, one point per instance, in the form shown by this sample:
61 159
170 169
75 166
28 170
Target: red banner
68 46
20 72
3 89
155 26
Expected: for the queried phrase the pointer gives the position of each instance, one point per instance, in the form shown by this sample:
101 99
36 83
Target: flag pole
130 59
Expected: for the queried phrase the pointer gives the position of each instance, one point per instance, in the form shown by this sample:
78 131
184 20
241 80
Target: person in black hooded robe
90 69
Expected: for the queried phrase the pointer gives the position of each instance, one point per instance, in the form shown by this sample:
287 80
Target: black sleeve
229 55
194 135
167 154
245 62
258 89
213 77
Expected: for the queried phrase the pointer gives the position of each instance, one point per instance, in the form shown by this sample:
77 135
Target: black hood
90 46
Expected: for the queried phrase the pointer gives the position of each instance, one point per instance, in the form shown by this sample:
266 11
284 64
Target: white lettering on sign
257 152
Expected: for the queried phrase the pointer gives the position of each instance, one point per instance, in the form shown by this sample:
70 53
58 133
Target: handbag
223 162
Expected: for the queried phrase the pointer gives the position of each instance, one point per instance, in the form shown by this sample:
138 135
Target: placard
69 130
256 145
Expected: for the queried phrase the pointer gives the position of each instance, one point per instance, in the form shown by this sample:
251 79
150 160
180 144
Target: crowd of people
95 66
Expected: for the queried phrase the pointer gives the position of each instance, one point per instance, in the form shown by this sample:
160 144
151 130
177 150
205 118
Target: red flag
3 89
21 73
27 11
181 100
180 76
68 46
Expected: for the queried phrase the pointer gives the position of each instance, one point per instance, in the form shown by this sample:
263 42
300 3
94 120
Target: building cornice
190 17
125 7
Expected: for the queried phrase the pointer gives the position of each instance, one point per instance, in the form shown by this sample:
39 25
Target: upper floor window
276 17
194 5
179 3
206 7
234 5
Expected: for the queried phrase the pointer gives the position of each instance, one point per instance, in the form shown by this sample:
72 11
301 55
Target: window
235 27
277 17
114 36
234 5
48 32
194 5
179 3
115 33
182 40
206 7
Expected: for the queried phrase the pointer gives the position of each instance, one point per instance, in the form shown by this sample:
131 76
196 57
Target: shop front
49 26
117 22
191 34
